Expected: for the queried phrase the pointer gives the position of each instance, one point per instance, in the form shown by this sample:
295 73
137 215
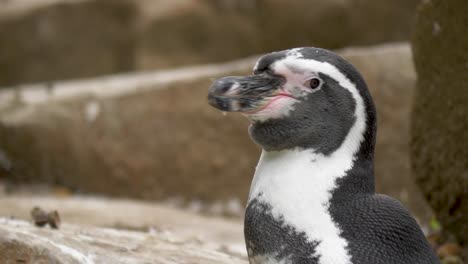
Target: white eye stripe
334 73
255 68
291 74
298 78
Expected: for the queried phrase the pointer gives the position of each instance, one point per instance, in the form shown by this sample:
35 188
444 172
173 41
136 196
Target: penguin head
306 98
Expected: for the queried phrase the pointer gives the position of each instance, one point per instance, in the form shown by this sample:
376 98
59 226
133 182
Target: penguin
312 198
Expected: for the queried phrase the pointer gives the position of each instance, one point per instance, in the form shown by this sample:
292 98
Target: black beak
243 93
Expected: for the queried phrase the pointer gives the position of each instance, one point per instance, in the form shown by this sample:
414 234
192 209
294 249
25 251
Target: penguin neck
304 172
290 172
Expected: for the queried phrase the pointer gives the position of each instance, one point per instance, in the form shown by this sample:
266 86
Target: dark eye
313 83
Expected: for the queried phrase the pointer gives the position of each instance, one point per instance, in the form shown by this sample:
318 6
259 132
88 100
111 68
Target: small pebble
39 217
54 219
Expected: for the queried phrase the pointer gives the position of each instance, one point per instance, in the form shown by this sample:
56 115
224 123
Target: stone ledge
92 232
21 241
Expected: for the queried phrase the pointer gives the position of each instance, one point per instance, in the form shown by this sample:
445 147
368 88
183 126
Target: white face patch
298 183
296 74
295 79
278 107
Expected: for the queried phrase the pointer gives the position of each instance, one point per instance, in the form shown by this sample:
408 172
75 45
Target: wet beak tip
218 103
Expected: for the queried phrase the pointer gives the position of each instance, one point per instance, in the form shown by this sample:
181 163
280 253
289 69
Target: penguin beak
244 94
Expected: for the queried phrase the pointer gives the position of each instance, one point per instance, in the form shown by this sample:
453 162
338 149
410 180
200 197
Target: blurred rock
66 39
449 249
150 135
133 215
2 188
49 40
199 31
332 24
452 260
21 242
153 135
439 141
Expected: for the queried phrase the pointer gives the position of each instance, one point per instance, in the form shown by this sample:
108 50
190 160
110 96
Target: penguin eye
313 83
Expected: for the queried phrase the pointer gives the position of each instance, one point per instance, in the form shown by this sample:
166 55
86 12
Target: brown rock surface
52 40
145 135
21 242
152 135
334 23
439 138
66 39
216 233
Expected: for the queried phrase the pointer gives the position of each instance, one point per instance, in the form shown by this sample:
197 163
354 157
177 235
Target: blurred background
106 99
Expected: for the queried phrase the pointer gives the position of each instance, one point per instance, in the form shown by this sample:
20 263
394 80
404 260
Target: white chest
298 184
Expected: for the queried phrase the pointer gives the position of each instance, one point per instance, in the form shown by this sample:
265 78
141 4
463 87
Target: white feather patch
279 107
